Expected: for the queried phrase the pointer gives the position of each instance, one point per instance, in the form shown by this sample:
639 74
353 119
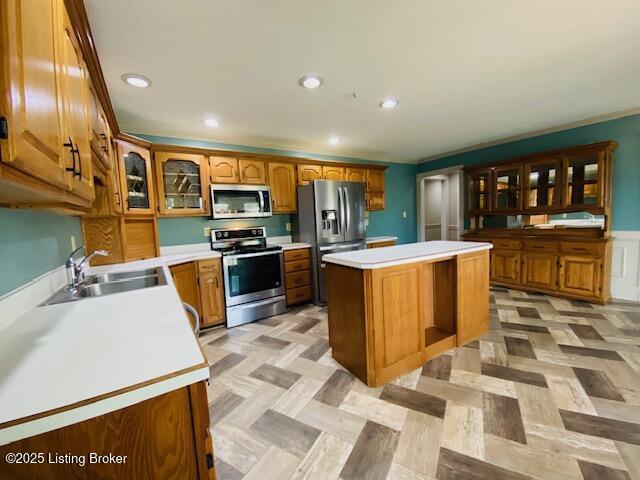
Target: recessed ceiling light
136 80
310 81
211 122
389 103
334 140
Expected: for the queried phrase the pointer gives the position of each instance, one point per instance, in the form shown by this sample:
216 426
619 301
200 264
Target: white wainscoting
625 265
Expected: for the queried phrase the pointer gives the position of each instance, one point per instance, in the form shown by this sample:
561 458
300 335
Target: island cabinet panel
386 322
398 318
164 437
473 296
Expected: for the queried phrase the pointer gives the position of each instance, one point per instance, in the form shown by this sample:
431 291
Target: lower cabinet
575 269
200 285
211 292
164 437
505 266
580 275
297 267
539 270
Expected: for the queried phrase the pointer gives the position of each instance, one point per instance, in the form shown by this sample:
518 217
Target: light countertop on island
405 253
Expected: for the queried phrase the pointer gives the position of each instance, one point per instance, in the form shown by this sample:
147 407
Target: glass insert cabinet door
542 184
180 183
135 167
584 180
478 190
506 188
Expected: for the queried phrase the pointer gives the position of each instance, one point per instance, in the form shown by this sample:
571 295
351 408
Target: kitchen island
392 309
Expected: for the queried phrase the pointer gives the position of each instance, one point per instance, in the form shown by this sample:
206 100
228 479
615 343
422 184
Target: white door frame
420 194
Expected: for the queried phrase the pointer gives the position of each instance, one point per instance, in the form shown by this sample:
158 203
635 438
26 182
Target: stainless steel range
253 274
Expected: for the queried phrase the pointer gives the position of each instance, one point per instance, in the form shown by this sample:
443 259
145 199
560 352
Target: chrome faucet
76 270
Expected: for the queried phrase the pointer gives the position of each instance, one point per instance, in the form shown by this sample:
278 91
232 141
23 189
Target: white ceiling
465 72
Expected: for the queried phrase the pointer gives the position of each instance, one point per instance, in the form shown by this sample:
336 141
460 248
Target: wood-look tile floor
551 392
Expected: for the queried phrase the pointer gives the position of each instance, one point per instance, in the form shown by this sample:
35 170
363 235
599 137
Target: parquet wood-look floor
551 392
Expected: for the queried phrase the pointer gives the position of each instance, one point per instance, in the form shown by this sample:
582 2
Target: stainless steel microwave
240 201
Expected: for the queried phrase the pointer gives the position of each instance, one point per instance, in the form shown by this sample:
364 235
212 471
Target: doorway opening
440 204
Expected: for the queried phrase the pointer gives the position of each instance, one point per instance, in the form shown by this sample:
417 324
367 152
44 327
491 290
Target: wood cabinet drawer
581 248
507 243
298 279
297 265
208 265
298 295
297 254
540 246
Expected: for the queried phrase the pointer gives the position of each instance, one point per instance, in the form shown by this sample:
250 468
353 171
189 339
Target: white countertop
291 245
64 356
402 254
381 239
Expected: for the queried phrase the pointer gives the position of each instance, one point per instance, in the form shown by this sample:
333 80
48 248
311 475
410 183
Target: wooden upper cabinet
282 180
135 179
542 184
584 179
479 191
374 200
224 170
355 174
252 171
329 172
182 183
309 173
375 180
35 144
75 120
507 188
99 133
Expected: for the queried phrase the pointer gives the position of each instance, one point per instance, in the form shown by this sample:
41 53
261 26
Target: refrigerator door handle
341 212
348 208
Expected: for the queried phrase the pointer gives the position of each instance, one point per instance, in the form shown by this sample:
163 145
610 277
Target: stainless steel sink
115 277
108 284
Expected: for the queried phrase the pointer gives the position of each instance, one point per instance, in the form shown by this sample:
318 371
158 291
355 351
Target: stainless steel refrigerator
331 219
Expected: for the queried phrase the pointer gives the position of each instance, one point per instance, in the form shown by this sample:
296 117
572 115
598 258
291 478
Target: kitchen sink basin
116 277
100 289
108 284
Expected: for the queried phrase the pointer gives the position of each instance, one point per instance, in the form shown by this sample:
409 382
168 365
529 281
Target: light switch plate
288 227
73 243
404 214
207 231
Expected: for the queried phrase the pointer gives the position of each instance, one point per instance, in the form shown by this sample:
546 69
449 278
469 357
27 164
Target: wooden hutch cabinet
568 262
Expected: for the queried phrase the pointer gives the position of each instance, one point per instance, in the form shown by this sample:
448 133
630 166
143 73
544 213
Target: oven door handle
259 303
256 254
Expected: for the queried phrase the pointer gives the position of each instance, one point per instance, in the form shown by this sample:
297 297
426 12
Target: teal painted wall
400 186
33 243
626 165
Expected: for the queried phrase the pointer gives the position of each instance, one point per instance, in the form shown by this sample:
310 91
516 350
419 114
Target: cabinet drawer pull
72 149
579 249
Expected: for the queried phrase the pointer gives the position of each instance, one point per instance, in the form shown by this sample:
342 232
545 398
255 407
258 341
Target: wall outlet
366 222
288 227
73 243
207 231
404 214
